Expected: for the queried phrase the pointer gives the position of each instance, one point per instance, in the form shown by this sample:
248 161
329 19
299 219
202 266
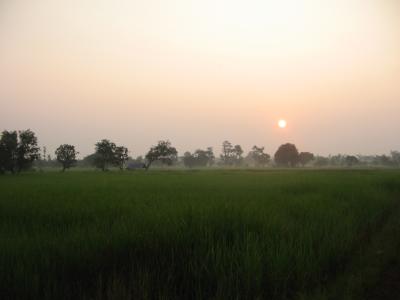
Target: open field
199 234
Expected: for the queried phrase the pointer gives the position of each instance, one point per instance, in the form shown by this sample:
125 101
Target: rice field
209 234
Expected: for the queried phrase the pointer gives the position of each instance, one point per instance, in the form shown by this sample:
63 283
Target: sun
282 123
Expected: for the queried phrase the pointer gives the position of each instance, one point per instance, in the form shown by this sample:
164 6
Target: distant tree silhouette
335 160
27 150
231 155
237 154
18 151
209 153
120 157
200 158
287 155
188 160
258 156
8 151
305 158
227 153
88 160
321 161
383 160
66 155
351 160
162 152
395 157
104 154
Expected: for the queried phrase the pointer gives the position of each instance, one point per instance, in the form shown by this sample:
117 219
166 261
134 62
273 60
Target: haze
200 72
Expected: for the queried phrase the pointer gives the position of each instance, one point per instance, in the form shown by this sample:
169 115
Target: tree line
19 151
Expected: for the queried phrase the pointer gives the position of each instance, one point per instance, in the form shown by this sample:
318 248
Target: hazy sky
200 72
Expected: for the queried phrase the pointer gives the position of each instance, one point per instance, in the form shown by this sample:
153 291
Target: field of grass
195 234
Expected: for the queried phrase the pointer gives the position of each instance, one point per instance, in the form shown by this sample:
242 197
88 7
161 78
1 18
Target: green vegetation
194 234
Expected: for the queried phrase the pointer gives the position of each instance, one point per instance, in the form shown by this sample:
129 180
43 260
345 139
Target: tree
258 156
210 156
66 155
287 155
200 158
8 151
351 160
104 154
231 154
237 154
121 157
383 160
204 158
227 153
305 158
27 150
336 160
321 161
163 152
188 160
395 155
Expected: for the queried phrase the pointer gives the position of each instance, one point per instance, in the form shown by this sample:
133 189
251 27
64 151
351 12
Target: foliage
27 150
87 161
18 151
321 161
121 157
287 155
395 157
105 154
351 160
200 158
231 155
305 158
162 152
66 155
8 151
259 157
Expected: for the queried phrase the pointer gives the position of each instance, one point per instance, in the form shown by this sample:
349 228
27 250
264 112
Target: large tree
66 155
287 155
258 156
104 154
8 151
162 152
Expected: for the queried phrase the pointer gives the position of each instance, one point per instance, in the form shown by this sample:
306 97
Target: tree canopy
18 151
287 155
200 158
305 158
66 155
162 152
259 157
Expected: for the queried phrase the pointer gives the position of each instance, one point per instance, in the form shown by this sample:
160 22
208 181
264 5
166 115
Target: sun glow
282 123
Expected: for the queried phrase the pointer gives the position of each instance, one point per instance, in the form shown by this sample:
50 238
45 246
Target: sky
201 72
